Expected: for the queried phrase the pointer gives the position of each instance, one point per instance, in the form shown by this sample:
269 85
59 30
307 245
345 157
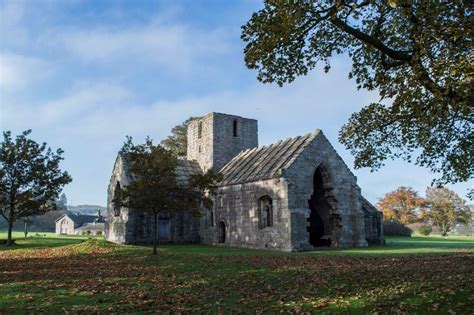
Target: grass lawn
74 274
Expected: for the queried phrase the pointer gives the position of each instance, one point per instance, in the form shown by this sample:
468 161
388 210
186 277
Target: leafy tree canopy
155 187
177 142
401 205
445 208
31 179
416 54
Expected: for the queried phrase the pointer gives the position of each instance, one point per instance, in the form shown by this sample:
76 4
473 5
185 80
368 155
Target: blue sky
84 74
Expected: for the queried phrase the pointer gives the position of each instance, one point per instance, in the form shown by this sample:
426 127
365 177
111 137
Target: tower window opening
200 130
235 127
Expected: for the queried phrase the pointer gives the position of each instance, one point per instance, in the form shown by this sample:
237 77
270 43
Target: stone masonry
296 194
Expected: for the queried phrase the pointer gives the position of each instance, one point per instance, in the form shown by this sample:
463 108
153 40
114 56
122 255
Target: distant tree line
441 208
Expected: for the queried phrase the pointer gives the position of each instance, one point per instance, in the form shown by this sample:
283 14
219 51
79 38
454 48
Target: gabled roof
265 162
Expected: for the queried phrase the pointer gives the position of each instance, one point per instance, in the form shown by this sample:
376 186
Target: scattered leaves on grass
97 276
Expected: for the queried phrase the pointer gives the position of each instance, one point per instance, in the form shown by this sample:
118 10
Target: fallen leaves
94 277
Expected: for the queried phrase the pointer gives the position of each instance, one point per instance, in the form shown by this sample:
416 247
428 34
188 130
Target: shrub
424 230
99 233
393 227
84 233
89 232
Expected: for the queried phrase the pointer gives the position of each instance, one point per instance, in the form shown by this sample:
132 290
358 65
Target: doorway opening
163 229
221 231
320 229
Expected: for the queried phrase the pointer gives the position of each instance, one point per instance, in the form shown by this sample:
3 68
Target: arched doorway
320 229
221 232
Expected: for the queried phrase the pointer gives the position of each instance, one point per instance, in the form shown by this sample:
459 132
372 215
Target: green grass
40 240
55 274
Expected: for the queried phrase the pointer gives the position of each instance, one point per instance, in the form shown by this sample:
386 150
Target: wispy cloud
176 47
18 71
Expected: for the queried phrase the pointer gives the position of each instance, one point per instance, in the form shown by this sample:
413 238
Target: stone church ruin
296 194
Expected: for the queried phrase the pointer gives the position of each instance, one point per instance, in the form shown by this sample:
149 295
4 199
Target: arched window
235 127
265 212
200 130
117 201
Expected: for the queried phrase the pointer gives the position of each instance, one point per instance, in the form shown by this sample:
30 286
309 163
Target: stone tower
213 140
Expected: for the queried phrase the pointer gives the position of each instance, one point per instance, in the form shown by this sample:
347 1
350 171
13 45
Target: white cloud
176 46
18 71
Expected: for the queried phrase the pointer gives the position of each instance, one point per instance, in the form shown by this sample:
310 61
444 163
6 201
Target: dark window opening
200 130
221 231
265 212
235 127
180 225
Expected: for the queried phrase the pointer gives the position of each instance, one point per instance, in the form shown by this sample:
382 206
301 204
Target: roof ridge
309 137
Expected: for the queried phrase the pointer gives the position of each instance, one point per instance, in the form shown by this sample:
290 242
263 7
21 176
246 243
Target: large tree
445 208
177 142
401 205
416 54
155 187
31 179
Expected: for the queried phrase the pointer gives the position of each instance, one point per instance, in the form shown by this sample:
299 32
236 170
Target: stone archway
221 230
324 223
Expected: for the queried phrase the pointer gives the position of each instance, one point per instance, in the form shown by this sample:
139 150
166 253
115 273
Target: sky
84 74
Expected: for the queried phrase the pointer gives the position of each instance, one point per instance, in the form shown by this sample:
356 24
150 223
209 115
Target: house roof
265 162
92 227
80 219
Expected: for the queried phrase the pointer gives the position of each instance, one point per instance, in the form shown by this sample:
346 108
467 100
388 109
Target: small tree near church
154 187
30 178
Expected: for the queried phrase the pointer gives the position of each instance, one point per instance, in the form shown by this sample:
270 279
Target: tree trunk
26 229
155 230
10 229
444 230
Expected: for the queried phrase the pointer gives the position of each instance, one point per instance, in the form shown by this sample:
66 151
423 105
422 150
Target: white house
77 224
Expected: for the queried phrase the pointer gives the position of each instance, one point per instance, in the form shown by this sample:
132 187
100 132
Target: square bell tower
213 140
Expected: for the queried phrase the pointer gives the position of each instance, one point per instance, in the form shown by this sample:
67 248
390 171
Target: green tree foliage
31 179
61 204
155 188
177 142
424 230
401 205
445 209
416 54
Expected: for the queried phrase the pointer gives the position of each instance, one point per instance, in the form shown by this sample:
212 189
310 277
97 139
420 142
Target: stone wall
65 226
341 192
136 227
116 229
217 143
237 207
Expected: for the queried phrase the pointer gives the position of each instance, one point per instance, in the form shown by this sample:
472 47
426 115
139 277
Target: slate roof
185 169
92 227
265 162
81 219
